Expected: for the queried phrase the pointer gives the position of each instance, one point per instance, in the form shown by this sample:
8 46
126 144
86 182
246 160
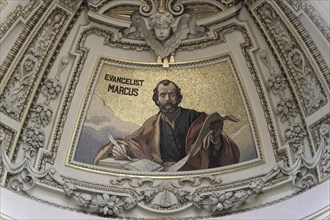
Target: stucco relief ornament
295 135
325 143
311 90
33 139
163 29
278 30
2 135
287 110
15 95
51 89
41 115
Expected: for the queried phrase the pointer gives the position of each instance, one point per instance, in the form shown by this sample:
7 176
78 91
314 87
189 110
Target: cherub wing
139 26
180 28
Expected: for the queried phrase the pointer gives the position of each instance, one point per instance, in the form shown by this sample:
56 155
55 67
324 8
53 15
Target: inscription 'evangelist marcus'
120 89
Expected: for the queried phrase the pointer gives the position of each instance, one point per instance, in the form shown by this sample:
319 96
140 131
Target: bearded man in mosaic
173 133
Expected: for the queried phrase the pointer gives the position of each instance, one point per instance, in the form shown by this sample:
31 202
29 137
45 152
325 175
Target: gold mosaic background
209 89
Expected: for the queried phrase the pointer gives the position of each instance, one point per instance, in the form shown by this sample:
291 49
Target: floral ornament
295 135
46 35
24 181
297 60
110 205
13 96
33 138
197 199
29 64
69 188
313 93
304 179
287 109
85 199
325 161
41 115
130 202
219 201
277 28
276 83
148 194
2 135
257 186
308 181
325 141
51 89
183 195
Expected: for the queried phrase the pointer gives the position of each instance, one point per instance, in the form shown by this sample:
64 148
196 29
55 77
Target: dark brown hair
166 82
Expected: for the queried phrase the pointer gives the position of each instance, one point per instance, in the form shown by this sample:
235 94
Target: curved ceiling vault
77 130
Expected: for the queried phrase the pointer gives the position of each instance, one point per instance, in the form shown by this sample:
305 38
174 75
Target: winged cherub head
161 23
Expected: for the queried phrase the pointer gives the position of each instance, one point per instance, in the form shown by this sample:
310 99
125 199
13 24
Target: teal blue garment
172 141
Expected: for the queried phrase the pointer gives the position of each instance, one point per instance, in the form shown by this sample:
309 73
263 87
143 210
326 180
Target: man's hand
216 127
119 153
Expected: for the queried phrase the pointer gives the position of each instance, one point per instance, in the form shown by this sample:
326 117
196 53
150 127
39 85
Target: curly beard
168 108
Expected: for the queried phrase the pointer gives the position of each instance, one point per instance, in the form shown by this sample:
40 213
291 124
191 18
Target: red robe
145 144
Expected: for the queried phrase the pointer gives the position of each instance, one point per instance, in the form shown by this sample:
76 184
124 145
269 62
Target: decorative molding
22 38
163 28
3 4
7 136
286 108
320 131
50 89
14 97
165 196
313 15
33 137
71 4
178 20
309 90
307 40
19 11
